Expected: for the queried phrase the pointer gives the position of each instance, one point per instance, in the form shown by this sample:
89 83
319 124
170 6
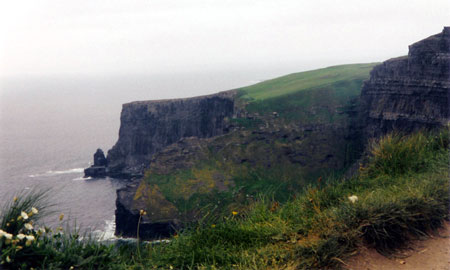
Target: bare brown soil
430 254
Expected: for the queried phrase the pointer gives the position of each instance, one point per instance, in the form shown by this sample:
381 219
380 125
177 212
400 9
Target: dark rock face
127 218
148 126
95 172
412 92
99 158
98 170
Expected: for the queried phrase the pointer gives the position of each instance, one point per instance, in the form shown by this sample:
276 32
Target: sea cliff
221 151
187 157
410 92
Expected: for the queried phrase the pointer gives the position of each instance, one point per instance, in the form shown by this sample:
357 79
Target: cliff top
222 94
439 43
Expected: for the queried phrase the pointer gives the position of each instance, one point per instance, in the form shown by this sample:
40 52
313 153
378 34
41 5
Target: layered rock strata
149 126
411 92
97 170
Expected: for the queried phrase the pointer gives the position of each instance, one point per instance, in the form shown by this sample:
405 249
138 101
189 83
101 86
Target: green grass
321 227
302 81
313 97
402 194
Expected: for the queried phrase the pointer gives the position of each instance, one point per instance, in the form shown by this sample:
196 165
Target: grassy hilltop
295 129
295 96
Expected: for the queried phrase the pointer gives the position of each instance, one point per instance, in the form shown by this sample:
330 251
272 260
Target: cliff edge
411 92
146 127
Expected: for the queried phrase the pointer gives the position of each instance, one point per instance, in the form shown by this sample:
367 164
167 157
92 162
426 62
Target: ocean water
51 126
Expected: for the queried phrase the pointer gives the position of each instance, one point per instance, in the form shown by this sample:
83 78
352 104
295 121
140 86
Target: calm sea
51 126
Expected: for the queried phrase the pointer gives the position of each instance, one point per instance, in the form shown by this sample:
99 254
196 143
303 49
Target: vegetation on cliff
401 193
309 97
289 131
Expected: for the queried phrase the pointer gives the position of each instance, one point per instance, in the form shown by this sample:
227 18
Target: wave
108 231
81 178
52 173
76 170
107 235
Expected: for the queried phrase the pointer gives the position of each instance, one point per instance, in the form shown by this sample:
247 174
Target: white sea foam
52 173
108 231
76 170
81 178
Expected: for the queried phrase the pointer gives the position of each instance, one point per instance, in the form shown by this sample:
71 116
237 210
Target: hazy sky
48 37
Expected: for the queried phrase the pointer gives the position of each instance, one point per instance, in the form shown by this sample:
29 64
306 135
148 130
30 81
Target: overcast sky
48 37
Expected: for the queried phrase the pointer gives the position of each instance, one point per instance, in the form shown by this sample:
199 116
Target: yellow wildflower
15 198
234 213
142 212
61 217
213 225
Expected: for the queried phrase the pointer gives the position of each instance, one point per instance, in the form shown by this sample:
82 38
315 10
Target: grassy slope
312 97
302 81
402 193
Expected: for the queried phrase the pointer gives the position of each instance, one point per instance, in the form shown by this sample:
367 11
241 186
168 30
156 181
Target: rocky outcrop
149 126
98 170
411 92
151 226
99 158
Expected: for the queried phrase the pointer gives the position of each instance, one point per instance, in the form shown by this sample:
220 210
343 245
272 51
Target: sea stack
98 170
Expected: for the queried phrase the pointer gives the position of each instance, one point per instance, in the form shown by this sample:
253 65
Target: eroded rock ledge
411 92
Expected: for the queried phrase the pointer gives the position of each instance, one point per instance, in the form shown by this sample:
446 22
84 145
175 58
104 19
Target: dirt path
430 254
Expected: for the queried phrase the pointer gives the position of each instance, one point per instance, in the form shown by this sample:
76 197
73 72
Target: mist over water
51 126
